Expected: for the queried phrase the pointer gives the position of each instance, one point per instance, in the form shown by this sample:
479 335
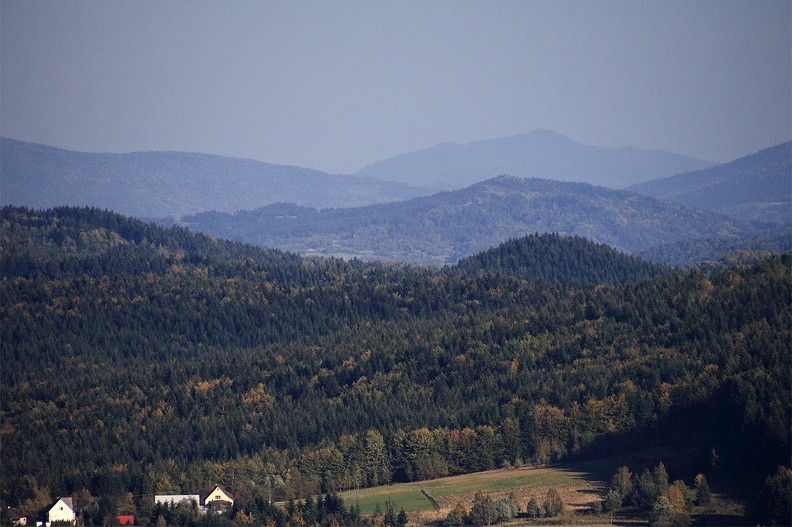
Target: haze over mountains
755 187
711 211
445 227
171 184
539 154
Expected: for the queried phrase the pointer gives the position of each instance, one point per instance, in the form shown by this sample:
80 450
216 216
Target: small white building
62 511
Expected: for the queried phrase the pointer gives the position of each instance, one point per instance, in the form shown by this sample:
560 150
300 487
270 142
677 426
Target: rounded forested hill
561 259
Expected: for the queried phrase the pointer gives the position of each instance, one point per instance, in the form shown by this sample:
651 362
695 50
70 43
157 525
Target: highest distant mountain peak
538 154
541 134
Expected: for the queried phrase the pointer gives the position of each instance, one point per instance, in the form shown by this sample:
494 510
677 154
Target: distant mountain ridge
157 185
540 154
756 187
163 184
442 228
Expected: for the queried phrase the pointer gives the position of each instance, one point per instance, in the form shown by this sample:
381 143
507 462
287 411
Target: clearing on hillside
580 485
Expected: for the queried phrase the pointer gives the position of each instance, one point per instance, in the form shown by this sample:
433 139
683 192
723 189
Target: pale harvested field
579 485
576 492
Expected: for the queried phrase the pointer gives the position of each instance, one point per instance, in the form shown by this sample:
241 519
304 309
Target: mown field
580 484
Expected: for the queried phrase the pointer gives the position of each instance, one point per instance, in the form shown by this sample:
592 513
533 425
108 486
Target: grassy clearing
405 496
580 481
579 484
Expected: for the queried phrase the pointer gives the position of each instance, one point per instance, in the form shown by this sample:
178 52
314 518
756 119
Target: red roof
126 519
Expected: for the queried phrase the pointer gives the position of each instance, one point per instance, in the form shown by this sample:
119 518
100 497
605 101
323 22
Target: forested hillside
557 259
442 228
709 252
141 360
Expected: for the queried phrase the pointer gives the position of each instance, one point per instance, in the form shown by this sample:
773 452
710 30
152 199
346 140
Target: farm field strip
453 488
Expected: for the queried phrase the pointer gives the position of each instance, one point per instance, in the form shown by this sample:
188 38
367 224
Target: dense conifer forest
141 360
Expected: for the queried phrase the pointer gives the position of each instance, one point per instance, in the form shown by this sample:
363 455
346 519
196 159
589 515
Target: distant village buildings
218 500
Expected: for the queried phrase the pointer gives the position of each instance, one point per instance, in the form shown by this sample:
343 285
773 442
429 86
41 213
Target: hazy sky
337 85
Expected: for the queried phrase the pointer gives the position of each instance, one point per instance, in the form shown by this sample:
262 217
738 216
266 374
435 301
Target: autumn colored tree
676 499
483 511
553 505
376 461
533 508
703 493
456 516
662 513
